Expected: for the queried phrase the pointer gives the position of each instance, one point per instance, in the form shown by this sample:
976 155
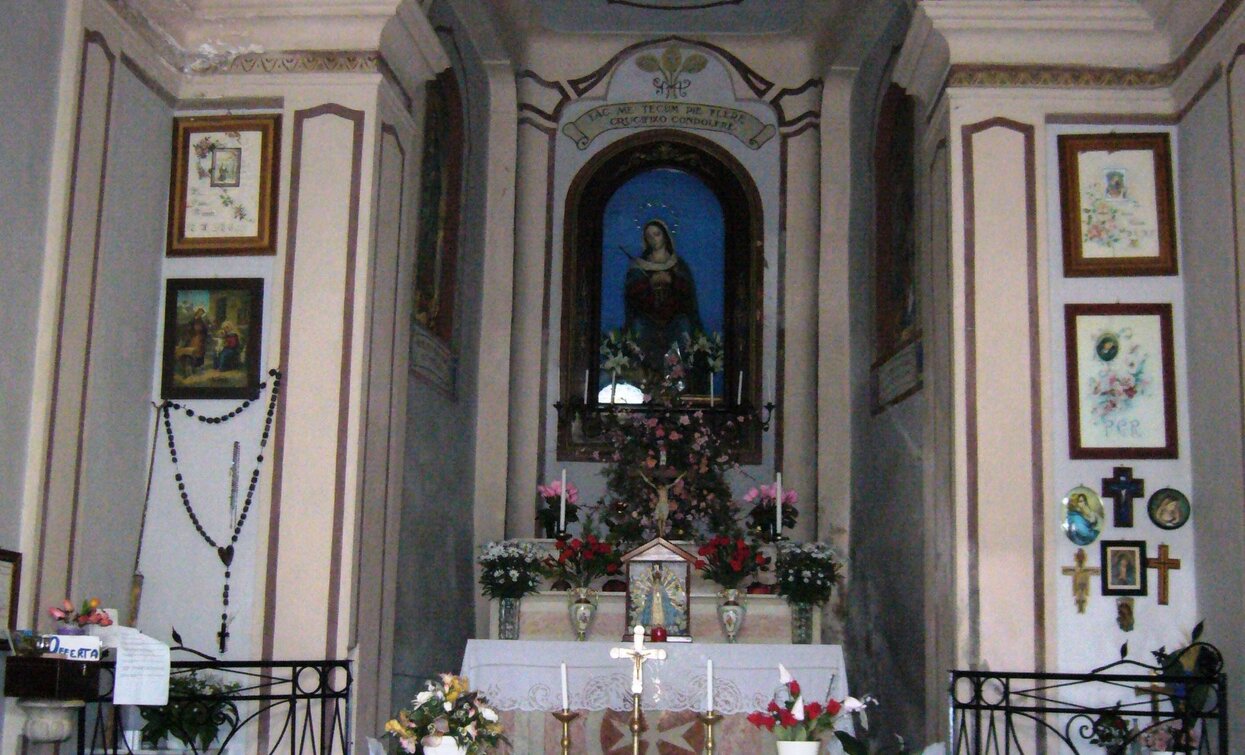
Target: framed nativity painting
212 337
1121 381
223 197
1117 205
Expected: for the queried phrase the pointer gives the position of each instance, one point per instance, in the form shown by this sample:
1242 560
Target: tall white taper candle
709 689
739 389
778 505
566 700
585 387
562 504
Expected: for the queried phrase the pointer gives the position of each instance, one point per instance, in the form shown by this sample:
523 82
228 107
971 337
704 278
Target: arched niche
589 218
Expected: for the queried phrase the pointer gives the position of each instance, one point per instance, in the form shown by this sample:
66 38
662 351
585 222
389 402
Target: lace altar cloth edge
525 675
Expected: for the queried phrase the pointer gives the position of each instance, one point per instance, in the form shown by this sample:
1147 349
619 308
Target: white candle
711 387
585 387
709 689
739 389
778 505
562 504
566 701
613 385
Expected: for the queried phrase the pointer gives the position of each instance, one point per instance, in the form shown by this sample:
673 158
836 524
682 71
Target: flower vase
731 613
801 623
448 746
583 609
68 628
508 618
799 748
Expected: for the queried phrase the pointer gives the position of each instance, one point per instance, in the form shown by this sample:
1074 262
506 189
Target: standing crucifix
638 655
1163 564
1121 487
1080 579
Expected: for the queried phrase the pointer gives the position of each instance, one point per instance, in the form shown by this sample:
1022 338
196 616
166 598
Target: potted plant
798 725
509 570
806 576
548 512
447 718
199 705
761 520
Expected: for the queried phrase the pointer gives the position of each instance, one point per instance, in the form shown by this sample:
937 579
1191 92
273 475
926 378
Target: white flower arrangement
510 569
807 573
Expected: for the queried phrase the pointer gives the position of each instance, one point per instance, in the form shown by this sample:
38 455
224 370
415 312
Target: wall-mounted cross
1121 488
1164 564
1080 579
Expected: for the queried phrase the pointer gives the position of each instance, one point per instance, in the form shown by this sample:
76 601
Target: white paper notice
142 670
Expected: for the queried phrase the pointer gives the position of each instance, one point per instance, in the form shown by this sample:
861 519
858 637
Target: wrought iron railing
1177 705
296 707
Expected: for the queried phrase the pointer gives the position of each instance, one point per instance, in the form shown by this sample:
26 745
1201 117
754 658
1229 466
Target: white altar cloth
525 675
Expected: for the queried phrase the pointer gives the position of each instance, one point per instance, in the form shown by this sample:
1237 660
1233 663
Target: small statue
662 509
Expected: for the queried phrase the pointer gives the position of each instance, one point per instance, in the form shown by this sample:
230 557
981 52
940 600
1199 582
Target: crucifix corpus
1163 564
1080 579
1121 487
637 654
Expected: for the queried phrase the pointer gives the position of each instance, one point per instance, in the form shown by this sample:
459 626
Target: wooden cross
1080 579
1164 564
1121 488
638 656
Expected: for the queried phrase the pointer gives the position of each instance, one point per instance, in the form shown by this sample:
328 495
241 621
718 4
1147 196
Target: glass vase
801 623
508 619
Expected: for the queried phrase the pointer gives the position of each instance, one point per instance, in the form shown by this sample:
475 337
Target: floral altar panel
522 680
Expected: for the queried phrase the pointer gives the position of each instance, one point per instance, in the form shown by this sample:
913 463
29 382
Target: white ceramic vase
448 746
798 748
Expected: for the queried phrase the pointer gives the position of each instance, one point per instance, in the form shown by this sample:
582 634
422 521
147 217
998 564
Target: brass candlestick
709 719
566 716
637 723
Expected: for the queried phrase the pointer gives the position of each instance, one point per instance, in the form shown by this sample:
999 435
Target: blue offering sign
1083 515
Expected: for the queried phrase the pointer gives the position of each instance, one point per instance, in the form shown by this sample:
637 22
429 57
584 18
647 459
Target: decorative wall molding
302 61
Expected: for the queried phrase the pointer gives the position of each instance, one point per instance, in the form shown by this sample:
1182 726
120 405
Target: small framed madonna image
1123 567
1117 205
223 196
1121 381
212 337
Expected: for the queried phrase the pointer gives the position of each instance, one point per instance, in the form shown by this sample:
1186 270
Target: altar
522 680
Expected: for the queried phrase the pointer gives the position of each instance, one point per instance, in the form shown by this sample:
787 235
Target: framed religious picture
659 577
212 337
1117 205
1083 515
10 581
1168 509
1121 381
1123 567
223 195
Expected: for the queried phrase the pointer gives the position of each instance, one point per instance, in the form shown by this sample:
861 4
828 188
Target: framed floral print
223 197
1124 567
212 337
1117 205
1121 381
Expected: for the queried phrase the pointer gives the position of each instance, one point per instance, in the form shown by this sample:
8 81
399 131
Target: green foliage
198 706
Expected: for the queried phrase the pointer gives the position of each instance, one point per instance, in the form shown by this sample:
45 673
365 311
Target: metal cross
1121 488
1164 564
1080 579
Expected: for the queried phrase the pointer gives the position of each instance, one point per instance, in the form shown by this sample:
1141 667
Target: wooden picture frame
1124 567
659 572
10 584
223 192
1117 205
1121 381
212 338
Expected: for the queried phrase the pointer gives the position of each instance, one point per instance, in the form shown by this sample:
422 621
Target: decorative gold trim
304 61
1060 77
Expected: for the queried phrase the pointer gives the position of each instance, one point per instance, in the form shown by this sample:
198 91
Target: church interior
313 300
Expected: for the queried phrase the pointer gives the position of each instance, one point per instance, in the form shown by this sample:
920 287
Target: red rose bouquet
729 562
579 562
793 720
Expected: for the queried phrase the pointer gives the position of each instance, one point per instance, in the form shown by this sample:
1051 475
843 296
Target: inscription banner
745 127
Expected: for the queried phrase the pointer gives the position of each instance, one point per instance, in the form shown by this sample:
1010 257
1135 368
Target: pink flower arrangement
552 492
766 495
90 613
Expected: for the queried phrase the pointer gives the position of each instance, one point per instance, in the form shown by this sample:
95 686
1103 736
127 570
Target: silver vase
583 609
508 619
731 613
801 623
